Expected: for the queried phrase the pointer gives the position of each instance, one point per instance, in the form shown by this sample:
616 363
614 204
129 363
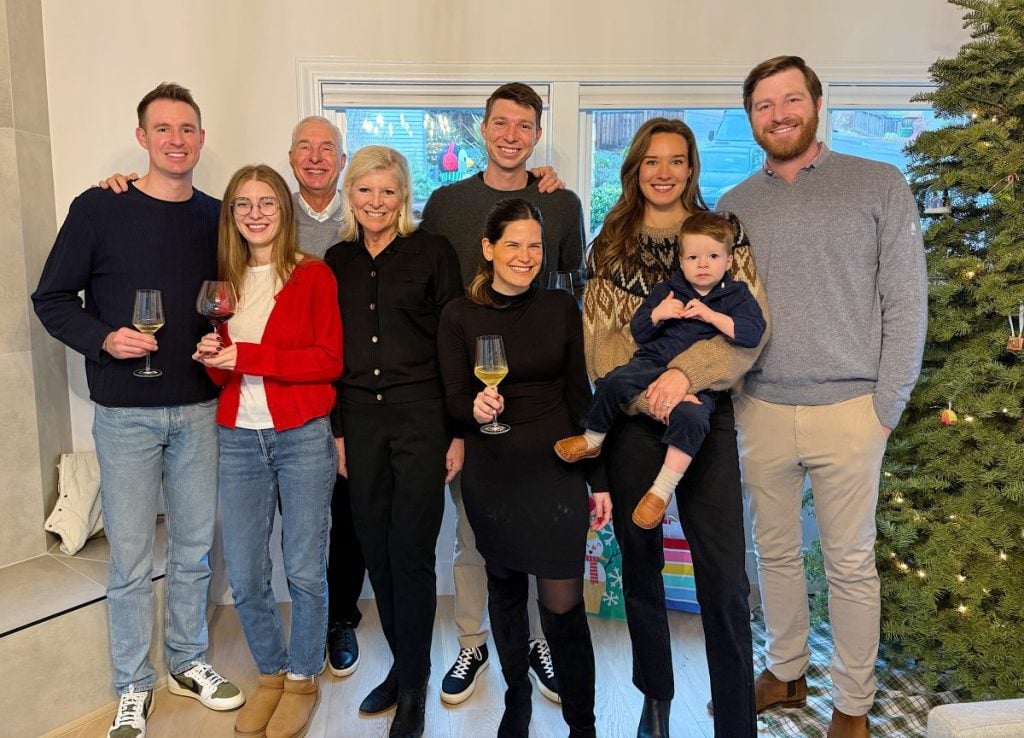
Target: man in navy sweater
153 435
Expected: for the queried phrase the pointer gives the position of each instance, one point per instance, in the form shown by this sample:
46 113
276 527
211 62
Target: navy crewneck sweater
111 245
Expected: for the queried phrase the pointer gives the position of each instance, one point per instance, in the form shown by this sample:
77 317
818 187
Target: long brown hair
615 244
504 213
233 250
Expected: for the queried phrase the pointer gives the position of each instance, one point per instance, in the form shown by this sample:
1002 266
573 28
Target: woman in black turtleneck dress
528 509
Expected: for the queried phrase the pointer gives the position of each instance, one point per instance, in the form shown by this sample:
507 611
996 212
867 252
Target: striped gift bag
680 590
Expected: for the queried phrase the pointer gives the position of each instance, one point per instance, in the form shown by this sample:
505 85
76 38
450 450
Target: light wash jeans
257 466
141 451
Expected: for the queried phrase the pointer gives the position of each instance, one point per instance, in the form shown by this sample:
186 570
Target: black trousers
710 504
396 470
346 568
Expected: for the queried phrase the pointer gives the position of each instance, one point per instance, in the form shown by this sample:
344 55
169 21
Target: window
879 134
876 121
432 114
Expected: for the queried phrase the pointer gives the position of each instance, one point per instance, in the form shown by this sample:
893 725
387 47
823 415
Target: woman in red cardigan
283 351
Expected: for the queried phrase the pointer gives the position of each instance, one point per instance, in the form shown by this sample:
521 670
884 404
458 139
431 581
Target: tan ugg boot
252 719
295 710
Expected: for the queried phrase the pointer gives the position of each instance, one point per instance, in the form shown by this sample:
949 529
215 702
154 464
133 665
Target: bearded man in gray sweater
838 245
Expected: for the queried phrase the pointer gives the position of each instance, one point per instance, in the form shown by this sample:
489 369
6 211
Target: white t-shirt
260 287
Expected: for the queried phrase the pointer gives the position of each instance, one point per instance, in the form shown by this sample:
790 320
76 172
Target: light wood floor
618 702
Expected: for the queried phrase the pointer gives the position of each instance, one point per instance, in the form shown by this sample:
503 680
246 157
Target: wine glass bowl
490 366
570 282
217 302
148 318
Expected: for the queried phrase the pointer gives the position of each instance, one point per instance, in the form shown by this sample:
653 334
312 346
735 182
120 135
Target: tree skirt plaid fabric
901 705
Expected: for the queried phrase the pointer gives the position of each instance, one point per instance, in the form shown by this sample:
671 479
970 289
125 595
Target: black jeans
396 469
711 507
346 568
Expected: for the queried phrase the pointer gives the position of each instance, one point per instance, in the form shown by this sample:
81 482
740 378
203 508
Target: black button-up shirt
390 309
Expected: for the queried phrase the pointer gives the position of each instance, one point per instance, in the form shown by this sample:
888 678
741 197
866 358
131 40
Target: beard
788 150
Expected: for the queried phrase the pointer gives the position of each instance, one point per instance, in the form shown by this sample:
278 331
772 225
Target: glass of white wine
148 318
490 367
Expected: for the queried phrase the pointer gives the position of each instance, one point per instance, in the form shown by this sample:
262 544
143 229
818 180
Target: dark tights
556 595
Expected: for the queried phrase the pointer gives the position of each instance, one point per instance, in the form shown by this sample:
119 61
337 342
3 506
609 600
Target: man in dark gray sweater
511 130
838 245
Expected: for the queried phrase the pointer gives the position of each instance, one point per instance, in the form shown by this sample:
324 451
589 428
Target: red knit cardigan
300 354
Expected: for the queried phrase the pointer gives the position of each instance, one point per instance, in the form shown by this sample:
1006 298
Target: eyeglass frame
258 204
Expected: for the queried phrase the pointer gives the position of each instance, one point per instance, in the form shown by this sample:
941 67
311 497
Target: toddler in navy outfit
699 301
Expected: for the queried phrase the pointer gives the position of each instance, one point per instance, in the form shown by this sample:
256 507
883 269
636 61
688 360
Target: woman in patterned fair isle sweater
637 248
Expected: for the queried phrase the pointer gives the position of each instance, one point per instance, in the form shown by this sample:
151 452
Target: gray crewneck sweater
313 236
842 259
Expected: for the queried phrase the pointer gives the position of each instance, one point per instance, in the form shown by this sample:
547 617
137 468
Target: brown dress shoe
770 691
848 726
575 448
650 511
252 719
295 710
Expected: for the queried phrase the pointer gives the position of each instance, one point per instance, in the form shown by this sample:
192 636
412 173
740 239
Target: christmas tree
951 507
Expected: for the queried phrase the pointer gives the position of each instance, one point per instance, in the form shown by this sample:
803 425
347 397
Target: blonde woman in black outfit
392 432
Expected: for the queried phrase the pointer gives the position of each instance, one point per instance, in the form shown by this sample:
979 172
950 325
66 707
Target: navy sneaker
460 681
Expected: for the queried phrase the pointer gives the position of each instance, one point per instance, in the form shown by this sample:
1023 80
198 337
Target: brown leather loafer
575 448
848 726
770 691
650 511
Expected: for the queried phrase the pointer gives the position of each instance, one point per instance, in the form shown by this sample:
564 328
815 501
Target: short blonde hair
371 159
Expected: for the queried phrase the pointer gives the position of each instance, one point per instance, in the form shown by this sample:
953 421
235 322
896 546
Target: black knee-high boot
510 628
573 656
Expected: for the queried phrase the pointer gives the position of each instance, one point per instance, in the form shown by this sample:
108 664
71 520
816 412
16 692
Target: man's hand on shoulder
549 181
118 182
127 343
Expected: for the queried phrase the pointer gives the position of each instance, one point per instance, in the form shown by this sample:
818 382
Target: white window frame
573 91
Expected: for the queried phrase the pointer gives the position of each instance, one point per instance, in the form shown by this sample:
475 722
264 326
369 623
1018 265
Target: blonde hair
371 159
233 250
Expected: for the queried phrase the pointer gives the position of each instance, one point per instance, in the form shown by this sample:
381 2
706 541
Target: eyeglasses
243 206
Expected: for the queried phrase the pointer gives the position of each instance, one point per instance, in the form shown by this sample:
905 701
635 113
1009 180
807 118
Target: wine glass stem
147 363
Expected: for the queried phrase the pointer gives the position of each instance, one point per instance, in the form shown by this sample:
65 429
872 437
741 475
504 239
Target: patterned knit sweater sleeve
611 299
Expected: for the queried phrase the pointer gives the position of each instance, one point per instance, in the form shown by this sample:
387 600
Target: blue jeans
257 466
141 451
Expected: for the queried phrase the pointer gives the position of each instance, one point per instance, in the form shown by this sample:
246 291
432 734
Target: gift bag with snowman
602 572
602 575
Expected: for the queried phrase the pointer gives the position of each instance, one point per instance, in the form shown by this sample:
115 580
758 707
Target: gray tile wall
34 413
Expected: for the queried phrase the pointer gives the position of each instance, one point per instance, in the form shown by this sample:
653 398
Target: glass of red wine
217 302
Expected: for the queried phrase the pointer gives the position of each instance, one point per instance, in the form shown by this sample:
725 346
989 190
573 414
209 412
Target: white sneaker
202 683
132 710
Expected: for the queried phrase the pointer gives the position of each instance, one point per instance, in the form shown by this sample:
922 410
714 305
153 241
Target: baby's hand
698 310
668 309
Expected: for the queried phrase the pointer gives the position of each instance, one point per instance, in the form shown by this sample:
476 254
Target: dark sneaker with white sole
342 649
460 681
202 683
542 671
132 710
